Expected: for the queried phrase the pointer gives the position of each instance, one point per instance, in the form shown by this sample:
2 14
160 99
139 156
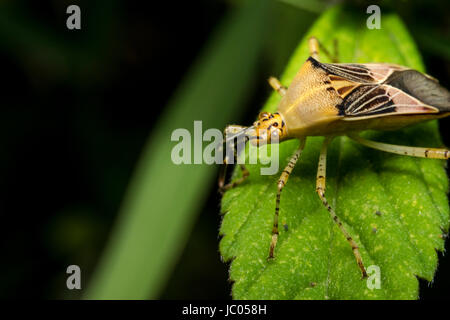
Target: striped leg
432 153
277 86
232 129
281 183
320 189
314 46
224 187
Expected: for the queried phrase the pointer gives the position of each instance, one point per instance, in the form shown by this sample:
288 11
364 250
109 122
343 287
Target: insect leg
335 59
314 46
277 86
320 189
433 153
232 129
235 183
281 183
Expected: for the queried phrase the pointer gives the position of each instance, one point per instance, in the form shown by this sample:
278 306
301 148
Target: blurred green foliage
163 198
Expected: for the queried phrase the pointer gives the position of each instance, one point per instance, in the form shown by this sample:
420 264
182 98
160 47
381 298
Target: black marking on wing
366 100
314 62
424 89
352 72
371 97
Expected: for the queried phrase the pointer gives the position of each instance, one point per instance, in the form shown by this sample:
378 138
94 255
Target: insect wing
381 100
376 90
362 73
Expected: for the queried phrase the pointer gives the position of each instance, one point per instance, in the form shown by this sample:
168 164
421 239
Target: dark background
76 114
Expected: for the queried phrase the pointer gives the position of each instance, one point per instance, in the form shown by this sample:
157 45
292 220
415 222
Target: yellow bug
331 99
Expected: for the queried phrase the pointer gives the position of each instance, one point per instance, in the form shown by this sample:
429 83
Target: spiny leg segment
281 183
314 46
277 86
320 189
224 187
432 153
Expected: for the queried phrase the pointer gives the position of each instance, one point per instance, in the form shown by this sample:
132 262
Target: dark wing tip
314 62
422 88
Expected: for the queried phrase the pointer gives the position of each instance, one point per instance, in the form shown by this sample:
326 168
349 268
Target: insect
332 99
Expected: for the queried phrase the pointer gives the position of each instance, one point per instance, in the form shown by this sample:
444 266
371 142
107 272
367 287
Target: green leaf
395 207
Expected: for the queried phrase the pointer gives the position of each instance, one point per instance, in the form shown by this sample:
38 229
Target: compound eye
263 115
